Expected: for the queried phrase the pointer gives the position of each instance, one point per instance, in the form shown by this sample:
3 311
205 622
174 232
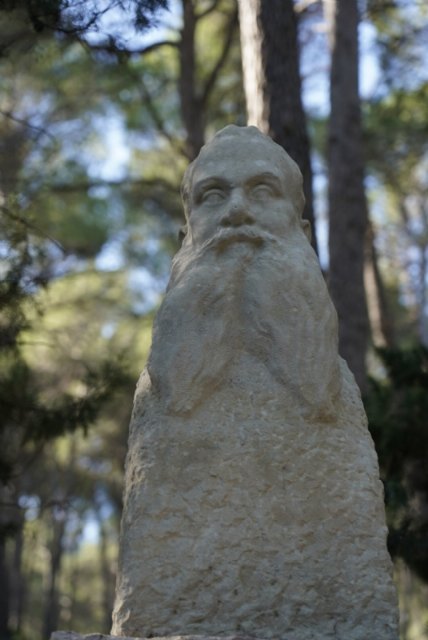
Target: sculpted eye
262 190
213 196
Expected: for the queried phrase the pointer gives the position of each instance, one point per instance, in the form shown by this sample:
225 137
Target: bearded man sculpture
253 502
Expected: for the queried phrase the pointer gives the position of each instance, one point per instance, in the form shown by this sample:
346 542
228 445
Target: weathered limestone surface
72 635
253 502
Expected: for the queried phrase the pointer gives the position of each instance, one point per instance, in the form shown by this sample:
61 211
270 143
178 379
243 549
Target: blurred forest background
102 105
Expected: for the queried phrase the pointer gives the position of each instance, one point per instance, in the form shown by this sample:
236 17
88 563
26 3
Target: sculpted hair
231 133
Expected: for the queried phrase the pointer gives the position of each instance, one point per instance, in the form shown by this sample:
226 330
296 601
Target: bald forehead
236 150
238 159
246 149
235 156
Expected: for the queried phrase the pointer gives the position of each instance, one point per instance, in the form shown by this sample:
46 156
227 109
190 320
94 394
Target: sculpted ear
306 226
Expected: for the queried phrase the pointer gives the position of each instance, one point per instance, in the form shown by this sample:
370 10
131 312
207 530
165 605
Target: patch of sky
147 289
91 525
378 200
91 531
369 69
30 505
113 154
111 256
320 192
96 466
108 330
4 249
315 64
33 108
118 22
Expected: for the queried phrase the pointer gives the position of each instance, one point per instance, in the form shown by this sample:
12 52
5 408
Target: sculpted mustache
235 234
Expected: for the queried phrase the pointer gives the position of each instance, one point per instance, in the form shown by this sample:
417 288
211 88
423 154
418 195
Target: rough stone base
71 635
245 519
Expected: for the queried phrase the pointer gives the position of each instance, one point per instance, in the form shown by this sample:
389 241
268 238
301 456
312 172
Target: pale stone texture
72 635
253 502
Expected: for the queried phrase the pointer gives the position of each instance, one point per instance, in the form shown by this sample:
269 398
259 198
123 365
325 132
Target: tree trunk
11 583
270 56
17 589
190 103
381 319
4 592
423 320
11 524
51 613
107 577
347 200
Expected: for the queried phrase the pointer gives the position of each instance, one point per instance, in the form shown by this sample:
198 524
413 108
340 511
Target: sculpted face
243 190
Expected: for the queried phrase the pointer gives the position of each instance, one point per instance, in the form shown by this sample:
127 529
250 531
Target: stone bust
247 271
252 502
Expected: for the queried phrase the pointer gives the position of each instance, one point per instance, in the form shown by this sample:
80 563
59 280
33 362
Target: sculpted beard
268 302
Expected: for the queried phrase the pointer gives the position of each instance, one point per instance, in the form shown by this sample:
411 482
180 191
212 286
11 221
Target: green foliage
14 265
396 134
28 418
402 29
80 231
75 17
144 11
396 131
397 410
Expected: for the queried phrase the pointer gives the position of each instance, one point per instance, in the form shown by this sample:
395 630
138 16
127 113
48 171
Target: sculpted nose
238 213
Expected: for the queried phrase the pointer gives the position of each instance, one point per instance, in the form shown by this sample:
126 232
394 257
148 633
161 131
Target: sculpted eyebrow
266 177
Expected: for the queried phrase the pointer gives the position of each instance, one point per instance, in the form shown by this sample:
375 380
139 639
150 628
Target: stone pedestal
254 523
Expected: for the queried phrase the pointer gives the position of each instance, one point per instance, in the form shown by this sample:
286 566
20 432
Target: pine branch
85 186
25 123
113 47
157 119
30 226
